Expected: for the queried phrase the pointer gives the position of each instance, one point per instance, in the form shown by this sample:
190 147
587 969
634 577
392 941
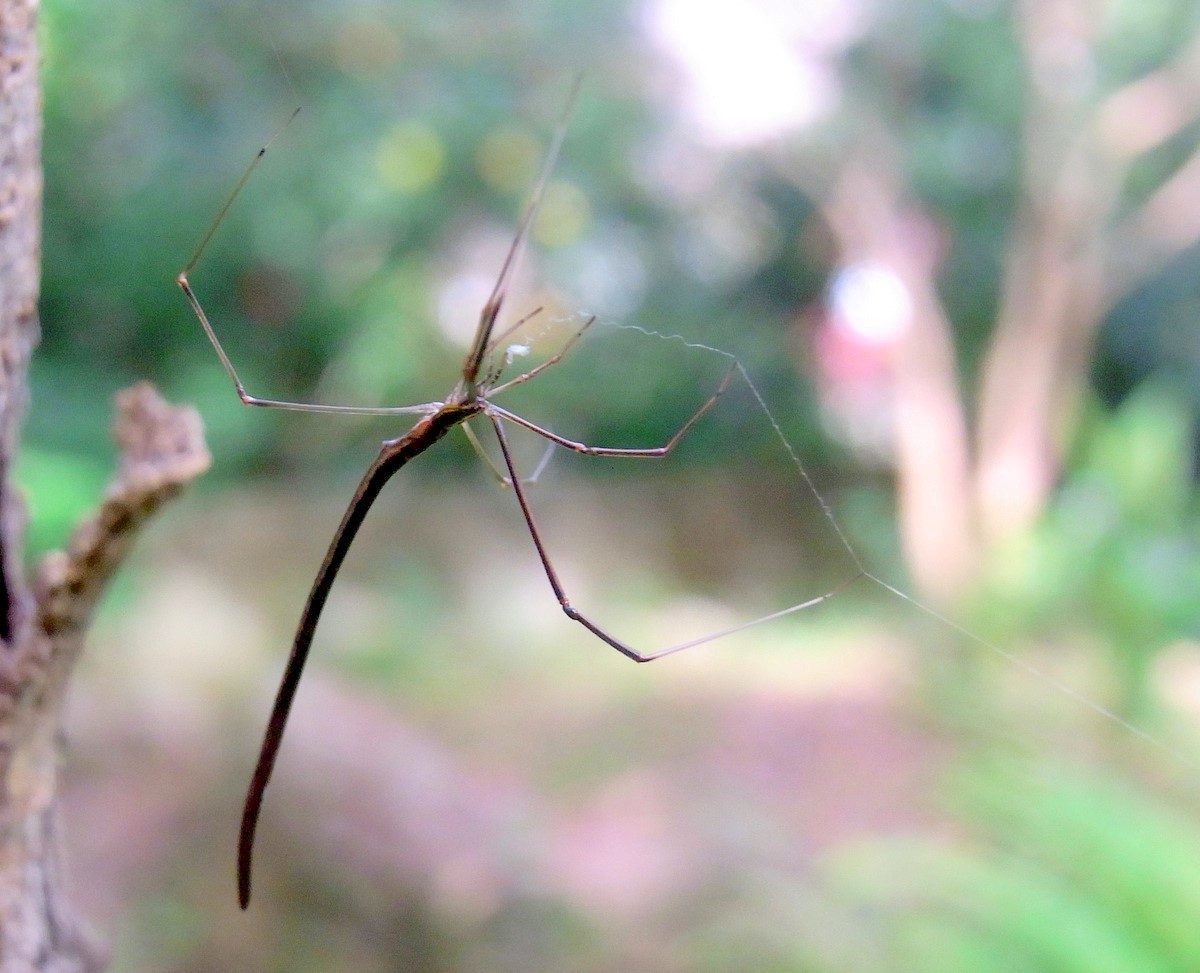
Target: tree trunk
43 620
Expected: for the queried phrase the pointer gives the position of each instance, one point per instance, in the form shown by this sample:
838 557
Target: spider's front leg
185 285
427 408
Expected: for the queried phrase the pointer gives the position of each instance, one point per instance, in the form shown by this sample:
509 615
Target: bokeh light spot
366 47
411 157
508 160
871 301
564 216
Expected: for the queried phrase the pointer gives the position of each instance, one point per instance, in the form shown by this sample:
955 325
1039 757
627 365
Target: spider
474 395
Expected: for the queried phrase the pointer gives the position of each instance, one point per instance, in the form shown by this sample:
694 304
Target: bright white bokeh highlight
756 68
871 301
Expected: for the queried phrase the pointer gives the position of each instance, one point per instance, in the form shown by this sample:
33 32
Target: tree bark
43 620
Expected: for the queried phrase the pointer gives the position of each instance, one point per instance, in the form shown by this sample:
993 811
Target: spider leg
552 360
503 478
499 339
576 615
497 415
654 452
248 399
426 408
551 575
491 310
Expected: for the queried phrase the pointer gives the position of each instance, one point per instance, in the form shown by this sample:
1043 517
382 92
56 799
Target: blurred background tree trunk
973 474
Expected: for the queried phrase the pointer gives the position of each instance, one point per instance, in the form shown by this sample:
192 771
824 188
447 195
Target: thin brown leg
551 574
652 453
553 360
502 478
516 325
427 408
247 399
491 310
497 415
574 614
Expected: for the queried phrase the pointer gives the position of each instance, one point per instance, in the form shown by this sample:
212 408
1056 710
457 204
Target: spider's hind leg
505 479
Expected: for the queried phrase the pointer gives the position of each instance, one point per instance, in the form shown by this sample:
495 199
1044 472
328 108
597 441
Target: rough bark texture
42 624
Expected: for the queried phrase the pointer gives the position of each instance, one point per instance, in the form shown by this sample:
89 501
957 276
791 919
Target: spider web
849 568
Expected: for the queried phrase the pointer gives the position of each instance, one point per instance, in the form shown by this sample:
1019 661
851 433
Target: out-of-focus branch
162 450
1145 240
1070 260
1134 120
1034 375
1143 114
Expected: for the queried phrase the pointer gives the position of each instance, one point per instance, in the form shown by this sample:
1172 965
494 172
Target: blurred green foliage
1058 873
1116 557
327 271
62 487
415 133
